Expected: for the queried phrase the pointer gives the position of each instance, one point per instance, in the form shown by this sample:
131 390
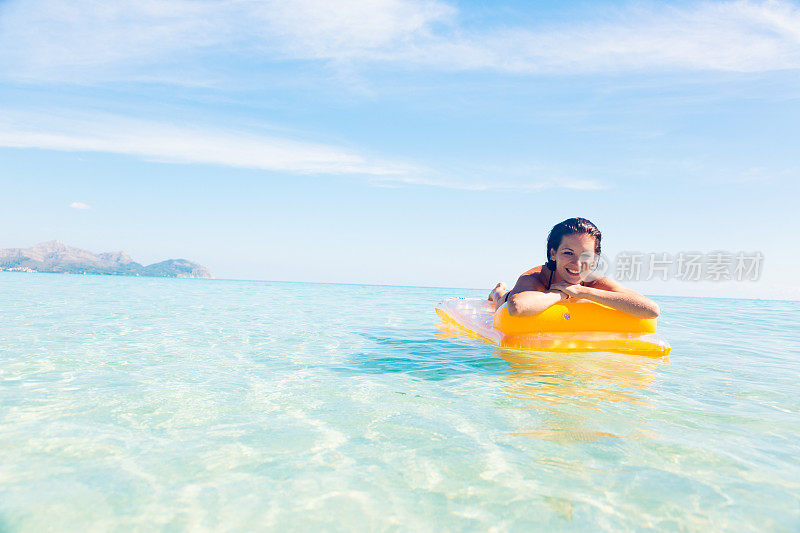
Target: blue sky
402 142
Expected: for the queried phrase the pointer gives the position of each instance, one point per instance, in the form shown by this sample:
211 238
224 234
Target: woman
573 248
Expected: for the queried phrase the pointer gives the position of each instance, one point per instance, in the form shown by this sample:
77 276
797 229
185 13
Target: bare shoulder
530 281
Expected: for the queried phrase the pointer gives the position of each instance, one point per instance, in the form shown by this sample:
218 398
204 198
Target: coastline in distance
54 256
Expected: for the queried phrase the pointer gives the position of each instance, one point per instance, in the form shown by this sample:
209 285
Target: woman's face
574 258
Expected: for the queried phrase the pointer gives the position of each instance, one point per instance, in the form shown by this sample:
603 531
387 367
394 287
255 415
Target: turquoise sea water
131 403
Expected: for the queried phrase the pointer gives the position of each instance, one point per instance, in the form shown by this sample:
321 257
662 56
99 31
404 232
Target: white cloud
80 206
723 36
346 29
49 37
163 142
90 40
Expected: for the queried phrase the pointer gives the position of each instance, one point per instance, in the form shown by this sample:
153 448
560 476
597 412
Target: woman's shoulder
540 274
531 280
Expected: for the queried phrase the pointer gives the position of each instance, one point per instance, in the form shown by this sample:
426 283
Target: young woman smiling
573 248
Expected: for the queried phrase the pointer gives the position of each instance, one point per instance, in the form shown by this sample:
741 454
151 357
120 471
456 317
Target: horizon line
370 285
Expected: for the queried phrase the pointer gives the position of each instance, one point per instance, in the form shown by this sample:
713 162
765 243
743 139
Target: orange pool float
568 326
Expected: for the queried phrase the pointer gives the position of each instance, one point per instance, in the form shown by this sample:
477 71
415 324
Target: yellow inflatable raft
569 326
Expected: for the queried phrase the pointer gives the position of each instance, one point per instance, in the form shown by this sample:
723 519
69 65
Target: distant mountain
55 256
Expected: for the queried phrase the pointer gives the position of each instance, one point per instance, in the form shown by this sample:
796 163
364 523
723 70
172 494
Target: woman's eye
567 253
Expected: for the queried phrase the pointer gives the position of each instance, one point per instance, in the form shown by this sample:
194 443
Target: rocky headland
55 256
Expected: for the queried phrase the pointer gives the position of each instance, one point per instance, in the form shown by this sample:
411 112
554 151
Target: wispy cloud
164 142
156 141
86 40
80 206
716 36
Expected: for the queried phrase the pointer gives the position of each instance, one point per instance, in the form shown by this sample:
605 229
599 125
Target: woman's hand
571 291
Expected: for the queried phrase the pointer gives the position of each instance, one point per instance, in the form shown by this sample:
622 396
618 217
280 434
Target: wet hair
571 226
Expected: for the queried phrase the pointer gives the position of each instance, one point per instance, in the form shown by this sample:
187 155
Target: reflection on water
566 435
453 332
568 378
566 387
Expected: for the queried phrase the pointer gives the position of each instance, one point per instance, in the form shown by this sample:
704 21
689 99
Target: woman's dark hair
571 226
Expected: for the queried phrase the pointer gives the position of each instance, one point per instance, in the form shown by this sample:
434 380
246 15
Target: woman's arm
529 297
608 292
529 303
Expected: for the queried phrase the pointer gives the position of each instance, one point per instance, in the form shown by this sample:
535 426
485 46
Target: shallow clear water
132 403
